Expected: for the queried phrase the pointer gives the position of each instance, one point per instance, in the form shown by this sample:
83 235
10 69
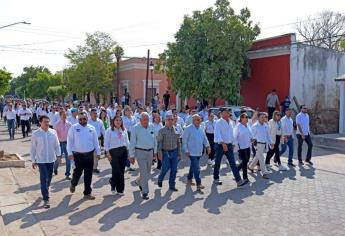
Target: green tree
92 67
119 52
57 92
5 78
209 54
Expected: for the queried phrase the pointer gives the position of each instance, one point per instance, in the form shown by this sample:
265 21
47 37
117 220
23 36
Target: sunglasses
82 118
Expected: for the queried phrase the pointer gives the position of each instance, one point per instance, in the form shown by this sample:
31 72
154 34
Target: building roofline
274 37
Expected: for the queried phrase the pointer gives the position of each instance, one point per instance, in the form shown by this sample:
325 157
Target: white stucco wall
313 71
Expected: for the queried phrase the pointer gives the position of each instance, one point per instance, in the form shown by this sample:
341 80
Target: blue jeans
63 146
46 173
284 146
169 161
11 125
194 169
230 156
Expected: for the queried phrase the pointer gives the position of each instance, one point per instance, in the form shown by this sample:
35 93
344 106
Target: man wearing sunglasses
303 134
82 142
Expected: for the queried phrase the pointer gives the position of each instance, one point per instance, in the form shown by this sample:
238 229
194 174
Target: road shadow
307 171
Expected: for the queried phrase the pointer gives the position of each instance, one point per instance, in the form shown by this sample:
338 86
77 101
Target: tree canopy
92 65
208 57
5 78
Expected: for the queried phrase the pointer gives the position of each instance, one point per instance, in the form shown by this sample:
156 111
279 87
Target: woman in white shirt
243 138
275 130
116 144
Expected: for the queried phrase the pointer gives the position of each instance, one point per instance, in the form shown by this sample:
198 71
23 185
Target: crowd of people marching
81 133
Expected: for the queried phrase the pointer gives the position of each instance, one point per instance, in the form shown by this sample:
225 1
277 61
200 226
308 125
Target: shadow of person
101 182
187 199
307 172
59 185
154 204
118 214
22 214
80 216
259 185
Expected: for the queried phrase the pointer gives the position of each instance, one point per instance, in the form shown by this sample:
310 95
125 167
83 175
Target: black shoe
292 165
96 171
217 182
68 178
72 188
141 189
130 169
145 196
310 163
173 189
55 172
301 163
160 184
46 204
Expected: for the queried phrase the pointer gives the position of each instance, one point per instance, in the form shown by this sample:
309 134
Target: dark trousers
210 138
299 148
270 111
25 124
11 125
275 151
244 155
83 162
230 156
46 173
119 158
166 104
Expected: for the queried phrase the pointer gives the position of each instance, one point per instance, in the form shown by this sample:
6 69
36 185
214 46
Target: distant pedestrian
82 142
143 147
116 145
272 101
166 99
285 104
287 132
61 128
194 140
25 115
303 134
224 145
169 151
45 148
10 116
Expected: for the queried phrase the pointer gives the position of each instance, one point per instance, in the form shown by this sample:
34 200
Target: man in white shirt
99 127
73 119
303 134
10 115
45 147
25 115
82 142
287 133
262 139
272 101
111 111
224 145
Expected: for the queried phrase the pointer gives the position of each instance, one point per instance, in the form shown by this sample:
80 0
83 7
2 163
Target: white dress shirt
45 146
261 133
82 139
115 139
98 125
302 119
24 114
223 132
209 127
287 126
129 122
243 136
10 115
73 120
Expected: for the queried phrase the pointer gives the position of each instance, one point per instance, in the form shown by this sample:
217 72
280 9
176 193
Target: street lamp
152 98
17 23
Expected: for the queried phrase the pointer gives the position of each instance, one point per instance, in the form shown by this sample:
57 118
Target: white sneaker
213 163
209 162
113 192
283 168
120 194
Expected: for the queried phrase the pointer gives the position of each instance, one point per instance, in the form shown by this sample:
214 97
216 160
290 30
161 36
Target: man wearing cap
25 115
73 119
224 145
169 151
142 148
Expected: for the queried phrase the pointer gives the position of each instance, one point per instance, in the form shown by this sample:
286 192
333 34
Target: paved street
303 201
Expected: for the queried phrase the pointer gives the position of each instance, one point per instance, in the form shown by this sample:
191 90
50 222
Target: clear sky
136 25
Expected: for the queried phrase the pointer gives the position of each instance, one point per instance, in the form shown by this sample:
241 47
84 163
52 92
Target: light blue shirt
193 140
144 138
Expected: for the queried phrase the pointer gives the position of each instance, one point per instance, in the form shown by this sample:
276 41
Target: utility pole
147 77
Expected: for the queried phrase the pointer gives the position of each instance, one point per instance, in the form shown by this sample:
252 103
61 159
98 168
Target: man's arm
133 142
33 149
96 143
159 143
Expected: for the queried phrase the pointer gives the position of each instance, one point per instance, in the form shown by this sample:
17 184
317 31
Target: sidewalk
303 201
